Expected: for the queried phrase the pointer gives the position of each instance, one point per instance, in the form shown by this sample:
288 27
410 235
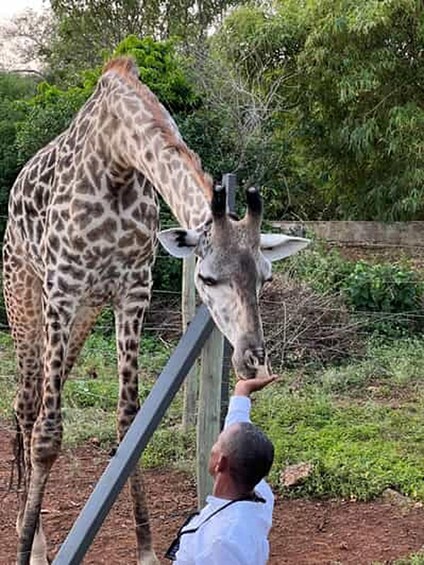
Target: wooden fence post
208 422
188 311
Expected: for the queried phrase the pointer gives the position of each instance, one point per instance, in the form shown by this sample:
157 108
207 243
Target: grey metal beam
129 451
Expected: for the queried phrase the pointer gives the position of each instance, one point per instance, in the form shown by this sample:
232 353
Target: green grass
361 425
389 371
414 559
357 450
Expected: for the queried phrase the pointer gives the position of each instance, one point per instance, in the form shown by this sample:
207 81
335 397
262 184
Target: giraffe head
233 263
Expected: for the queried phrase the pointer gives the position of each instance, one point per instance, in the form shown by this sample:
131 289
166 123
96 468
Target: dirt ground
305 532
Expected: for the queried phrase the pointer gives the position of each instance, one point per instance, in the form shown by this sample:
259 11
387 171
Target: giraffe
81 234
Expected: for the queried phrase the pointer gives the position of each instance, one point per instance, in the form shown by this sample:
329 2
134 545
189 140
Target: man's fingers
260 382
267 380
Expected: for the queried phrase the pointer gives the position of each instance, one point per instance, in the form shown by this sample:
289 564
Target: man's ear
179 242
222 464
277 246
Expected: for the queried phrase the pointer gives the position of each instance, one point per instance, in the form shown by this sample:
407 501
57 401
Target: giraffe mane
126 68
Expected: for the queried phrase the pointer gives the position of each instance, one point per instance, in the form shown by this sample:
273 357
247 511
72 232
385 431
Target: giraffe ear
277 246
179 242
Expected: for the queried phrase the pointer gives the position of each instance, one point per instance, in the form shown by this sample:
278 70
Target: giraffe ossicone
81 234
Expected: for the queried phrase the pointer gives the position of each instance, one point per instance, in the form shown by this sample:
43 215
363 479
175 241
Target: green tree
351 77
247 77
161 68
87 29
361 106
12 89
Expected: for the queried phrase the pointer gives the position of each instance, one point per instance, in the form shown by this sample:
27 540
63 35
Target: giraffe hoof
148 558
39 560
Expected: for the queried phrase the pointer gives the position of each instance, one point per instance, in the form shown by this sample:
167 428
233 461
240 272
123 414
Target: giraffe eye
208 281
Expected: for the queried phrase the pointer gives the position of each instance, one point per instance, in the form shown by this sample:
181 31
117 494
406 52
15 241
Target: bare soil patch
305 532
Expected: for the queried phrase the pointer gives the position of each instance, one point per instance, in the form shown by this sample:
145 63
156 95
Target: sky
10 7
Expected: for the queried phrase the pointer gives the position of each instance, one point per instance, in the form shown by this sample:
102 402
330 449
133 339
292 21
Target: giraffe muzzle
253 364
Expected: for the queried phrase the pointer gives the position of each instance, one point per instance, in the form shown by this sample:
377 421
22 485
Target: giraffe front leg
128 330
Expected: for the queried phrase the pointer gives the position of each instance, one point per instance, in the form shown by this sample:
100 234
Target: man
233 527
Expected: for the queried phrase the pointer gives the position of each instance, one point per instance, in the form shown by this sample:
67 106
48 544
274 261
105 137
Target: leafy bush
323 269
394 291
383 288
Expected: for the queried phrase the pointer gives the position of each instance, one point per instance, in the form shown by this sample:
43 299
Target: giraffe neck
142 135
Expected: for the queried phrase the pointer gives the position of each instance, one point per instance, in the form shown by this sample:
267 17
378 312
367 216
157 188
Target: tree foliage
160 67
351 73
12 89
87 29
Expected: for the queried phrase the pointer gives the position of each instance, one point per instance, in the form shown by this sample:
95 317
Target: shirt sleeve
239 411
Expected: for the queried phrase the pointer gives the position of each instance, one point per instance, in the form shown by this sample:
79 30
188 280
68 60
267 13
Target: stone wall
402 234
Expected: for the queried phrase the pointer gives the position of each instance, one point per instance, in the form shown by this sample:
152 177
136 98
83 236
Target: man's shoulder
239 517
240 539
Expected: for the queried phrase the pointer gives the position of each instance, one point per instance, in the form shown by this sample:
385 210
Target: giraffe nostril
254 358
251 360
260 355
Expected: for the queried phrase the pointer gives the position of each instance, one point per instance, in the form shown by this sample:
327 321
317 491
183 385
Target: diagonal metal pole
129 451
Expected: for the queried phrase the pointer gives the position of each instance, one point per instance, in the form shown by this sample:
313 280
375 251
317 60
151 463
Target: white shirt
238 535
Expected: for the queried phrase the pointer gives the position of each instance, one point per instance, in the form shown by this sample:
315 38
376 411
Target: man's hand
246 387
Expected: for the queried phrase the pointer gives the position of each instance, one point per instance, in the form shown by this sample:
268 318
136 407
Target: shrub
383 288
323 269
392 291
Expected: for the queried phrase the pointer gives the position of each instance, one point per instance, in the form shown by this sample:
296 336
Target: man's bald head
249 452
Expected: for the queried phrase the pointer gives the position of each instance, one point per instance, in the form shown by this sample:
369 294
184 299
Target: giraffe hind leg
39 547
18 461
47 438
22 292
128 336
